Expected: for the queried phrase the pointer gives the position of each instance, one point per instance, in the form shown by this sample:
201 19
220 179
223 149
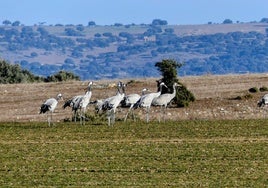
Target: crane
110 104
130 100
70 103
75 101
164 99
263 103
146 100
49 106
82 103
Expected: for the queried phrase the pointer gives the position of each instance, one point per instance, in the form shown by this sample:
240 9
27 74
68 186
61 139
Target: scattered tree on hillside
159 22
16 23
264 20
6 22
62 76
227 21
91 23
168 69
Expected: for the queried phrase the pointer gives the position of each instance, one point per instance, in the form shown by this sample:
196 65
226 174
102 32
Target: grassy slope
226 153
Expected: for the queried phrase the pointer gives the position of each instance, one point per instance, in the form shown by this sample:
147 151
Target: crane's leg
164 113
48 119
147 114
113 116
109 117
75 114
133 115
83 116
130 109
125 119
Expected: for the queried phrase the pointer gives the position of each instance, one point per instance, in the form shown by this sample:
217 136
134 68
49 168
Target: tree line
11 74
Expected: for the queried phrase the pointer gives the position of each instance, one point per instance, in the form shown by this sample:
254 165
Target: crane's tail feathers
44 108
67 103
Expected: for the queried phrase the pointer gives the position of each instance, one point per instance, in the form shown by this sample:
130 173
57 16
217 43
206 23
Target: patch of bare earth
215 98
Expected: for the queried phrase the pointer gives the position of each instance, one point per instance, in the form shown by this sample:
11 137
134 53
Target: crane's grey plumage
163 100
84 101
71 103
130 100
98 105
146 100
110 104
76 101
79 102
263 101
49 106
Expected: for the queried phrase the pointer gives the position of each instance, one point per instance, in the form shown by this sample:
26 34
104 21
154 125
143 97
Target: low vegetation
11 74
216 153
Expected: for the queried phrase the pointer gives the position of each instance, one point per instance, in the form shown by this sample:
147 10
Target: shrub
246 96
62 76
263 88
253 90
10 74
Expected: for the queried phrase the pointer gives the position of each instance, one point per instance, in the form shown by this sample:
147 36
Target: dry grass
214 94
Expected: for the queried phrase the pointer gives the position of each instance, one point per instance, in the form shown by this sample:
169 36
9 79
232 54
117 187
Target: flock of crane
79 103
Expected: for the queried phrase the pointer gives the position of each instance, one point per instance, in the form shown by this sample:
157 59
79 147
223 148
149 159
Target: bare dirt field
215 98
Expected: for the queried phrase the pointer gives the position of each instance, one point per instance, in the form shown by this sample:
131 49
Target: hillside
131 51
217 97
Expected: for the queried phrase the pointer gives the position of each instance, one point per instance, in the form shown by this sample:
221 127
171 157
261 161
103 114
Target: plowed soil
216 98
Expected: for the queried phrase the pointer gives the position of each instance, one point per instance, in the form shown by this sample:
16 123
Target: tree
168 69
16 23
10 74
264 20
91 23
159 22
6 22
62 76
227 21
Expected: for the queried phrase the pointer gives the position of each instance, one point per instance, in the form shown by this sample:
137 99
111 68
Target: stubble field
215 142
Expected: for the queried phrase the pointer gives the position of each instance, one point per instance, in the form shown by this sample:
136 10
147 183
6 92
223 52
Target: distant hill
131 51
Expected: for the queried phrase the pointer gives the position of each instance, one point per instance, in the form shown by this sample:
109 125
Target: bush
10 74
263 88
253 90
62 76
247 96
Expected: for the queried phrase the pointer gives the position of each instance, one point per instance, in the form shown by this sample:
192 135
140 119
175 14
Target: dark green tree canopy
168 69
10 74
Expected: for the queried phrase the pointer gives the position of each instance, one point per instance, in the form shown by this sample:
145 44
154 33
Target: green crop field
207 153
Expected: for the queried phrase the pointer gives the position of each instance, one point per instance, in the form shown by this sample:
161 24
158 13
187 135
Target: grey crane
163 100
110 104
71 103
79 102
83 102
263 103
130 100
49 106
146 100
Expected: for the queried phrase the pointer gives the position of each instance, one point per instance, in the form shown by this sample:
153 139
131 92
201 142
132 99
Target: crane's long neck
174 90
88 90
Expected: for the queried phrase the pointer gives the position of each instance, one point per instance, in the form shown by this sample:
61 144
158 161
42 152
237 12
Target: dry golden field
214 98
